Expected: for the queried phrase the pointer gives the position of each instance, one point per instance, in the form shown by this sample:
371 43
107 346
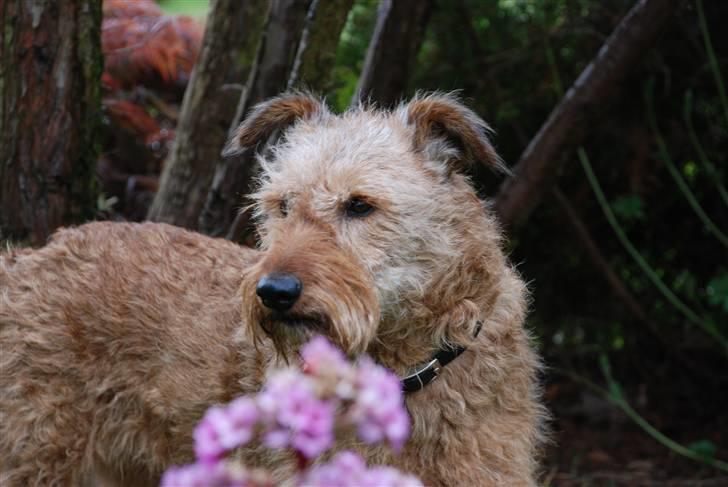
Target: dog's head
367 227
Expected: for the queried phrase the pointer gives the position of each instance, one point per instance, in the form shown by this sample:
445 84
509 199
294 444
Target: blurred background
612 114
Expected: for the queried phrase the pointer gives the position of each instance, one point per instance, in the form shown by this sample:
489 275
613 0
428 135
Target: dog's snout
279 291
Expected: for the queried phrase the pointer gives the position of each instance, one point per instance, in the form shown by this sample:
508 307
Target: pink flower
342 470
218 474
387 476
295 416
329 367
321 357
347 469
378 409
207 442
225 428
243 415
298 410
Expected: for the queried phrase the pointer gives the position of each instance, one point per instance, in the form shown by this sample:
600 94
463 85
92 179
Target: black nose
279 291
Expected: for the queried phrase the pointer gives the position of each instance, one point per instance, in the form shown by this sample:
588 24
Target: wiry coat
116 337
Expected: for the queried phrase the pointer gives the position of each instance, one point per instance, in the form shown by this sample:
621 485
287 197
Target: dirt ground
595 444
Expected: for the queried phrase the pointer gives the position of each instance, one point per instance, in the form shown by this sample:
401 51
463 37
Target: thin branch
709 167
582 234
712 59
615 396
708 326
684 188
617 285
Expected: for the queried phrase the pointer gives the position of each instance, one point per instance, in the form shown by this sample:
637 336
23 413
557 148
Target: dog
116 337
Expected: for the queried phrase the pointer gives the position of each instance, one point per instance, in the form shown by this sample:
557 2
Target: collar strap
431 370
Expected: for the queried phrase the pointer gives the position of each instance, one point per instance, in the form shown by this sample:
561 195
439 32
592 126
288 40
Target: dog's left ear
448 130
275 114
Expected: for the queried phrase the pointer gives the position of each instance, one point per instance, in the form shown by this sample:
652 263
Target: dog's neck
425 373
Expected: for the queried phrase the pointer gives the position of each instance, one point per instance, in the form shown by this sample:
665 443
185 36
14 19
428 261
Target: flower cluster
294 416
347 469
377 410
215 474
300 410
223 429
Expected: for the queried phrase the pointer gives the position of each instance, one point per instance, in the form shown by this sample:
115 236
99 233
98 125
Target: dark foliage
657 146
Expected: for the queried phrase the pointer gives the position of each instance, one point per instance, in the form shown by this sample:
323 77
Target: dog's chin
289 332
297 323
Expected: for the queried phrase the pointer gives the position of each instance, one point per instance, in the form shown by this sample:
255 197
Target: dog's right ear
447 129
275 114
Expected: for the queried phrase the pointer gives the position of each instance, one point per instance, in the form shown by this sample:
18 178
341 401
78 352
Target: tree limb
539 164
396 40
232 34
232 177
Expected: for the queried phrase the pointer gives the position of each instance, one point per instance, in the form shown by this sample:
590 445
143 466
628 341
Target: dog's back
115 338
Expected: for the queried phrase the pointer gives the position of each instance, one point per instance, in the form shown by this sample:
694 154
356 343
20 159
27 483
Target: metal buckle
436 368
433 365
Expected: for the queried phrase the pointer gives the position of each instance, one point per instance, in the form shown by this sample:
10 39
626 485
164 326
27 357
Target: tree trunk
50 112
396 40
539 164
311 71
317 50
232 35
276 53
282 35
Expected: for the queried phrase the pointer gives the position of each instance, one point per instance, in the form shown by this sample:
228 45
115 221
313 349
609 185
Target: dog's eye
283 207
357 207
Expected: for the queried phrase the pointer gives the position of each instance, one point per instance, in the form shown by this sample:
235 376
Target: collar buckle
431 370
436 367
428 373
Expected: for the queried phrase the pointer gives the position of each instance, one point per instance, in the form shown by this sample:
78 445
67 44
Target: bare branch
539 164
396 40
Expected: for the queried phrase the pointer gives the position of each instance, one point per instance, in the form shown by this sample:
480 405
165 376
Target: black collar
430 371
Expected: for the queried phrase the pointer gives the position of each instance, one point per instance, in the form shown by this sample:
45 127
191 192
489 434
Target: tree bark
317 50
396 40
311 71
50 112
232 34
232 179
539 165
282 36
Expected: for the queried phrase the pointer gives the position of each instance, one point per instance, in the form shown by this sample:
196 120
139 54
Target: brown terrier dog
115 338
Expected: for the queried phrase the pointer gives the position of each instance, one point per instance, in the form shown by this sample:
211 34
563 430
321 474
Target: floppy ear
269 116
448 130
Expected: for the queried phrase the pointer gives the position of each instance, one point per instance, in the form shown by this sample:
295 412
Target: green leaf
717 291
629 207
686 283
690 169
704 448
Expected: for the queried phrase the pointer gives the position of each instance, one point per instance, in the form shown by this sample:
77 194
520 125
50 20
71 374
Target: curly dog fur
116 337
